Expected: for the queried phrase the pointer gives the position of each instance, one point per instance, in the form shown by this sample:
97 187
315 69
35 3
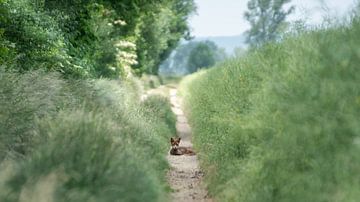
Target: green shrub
159 108
24 98
282 123
73 140
150 81
90 39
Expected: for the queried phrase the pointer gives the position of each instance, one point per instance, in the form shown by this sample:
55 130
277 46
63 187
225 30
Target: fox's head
175 143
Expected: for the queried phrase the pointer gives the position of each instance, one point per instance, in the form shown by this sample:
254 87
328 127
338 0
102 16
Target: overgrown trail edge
184 176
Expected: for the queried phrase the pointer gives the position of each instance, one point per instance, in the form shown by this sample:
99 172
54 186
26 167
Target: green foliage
189 57
176 64
155 33
23 98
81 140
160 32
282 122
158 108
63 139
30 37
150 81
203 55
81 38
267 19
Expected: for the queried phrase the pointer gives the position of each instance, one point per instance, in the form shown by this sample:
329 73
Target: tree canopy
204 54
189 57
266 18
91 38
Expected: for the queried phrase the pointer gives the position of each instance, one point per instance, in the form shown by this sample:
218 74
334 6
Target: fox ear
179 139
172 140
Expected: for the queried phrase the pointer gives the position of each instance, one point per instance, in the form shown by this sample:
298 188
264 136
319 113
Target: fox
177 150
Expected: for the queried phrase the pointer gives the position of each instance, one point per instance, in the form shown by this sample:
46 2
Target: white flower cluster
126 55
125 44
119 22
127 58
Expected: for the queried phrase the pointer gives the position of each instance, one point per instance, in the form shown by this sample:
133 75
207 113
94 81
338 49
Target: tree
160 32
266 18
203 55
189 57
91 38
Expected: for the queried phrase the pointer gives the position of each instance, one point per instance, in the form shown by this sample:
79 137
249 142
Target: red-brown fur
177 150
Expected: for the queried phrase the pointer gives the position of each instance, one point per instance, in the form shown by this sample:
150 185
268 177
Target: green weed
89 140
282 123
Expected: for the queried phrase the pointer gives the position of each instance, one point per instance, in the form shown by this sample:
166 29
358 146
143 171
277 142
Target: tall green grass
283 122
89 140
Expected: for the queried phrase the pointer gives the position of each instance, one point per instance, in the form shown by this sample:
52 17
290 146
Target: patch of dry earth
185 176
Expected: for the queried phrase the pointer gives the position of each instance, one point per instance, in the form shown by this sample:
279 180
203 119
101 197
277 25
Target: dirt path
184 176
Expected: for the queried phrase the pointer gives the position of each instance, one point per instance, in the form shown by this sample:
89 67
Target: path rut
184 176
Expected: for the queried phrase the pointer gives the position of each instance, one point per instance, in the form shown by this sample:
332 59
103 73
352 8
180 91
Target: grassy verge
171 81
150 81
282 123
89 140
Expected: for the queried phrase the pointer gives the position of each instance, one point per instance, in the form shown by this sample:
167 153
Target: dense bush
89 140
90 39
29 39
154 107
282 123
65 139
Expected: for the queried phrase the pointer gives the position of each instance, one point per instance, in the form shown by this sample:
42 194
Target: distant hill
227 42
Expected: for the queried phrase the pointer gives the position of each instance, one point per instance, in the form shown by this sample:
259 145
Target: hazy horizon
225 18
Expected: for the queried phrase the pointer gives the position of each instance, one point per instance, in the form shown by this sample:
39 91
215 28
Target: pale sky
225 17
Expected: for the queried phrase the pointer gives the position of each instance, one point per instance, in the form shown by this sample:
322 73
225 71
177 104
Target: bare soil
184 176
